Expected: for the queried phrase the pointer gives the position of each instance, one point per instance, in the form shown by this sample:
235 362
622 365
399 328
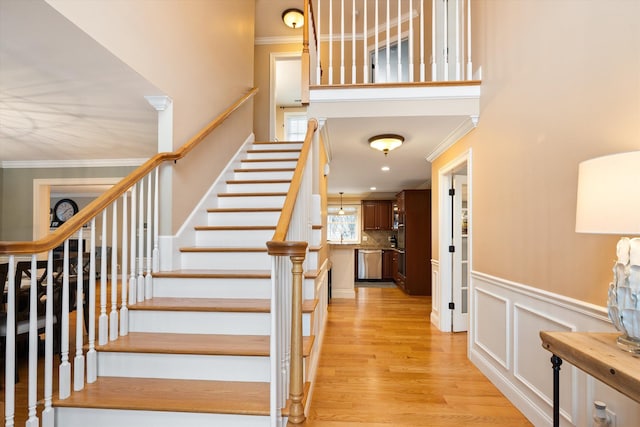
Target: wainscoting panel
504 343
435 292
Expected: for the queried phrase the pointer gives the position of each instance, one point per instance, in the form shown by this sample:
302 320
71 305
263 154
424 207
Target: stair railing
65 289
290 239
389 43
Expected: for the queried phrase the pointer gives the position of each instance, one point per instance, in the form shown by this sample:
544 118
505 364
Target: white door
459 251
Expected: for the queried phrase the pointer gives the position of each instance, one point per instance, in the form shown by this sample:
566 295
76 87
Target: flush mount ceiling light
293 18
386 142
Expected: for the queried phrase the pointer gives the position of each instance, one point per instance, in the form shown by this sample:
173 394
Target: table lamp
609 203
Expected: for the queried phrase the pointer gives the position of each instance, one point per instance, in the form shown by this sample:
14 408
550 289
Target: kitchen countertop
360 246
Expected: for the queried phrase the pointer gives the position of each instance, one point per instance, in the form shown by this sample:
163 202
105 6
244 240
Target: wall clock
64 210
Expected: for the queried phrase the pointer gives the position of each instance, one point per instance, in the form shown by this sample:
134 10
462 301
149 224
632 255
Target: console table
597 354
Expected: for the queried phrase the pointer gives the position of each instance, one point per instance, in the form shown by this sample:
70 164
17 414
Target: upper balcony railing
386 41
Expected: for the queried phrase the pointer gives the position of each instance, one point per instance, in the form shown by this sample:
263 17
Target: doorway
286 88
455 237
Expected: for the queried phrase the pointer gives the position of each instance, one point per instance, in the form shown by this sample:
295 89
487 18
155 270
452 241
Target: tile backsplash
377 238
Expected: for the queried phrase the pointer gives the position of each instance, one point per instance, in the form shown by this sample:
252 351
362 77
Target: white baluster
388 68
140 278
47 412
148 278
330 42
78 361
353 41
32 421
92 368
65 367
319 36
156 222
365 52
113 316
124 311
458 69
411 40
103 320
10 350
399 27
445 41
377 63
434 64
133 287
341 42
469 63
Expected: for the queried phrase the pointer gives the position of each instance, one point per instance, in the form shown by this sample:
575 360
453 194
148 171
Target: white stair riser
248 174
233 238
316 237
83 417
242 218
312 260
277 146
282 187
225 260
251 202
275 155
273 164
184 366
195 322
211 288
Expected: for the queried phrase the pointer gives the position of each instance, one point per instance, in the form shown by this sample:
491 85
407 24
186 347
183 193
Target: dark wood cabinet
377 215
416 206
387 265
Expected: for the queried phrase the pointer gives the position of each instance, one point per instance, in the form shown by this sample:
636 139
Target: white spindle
113 315
459 49
319 36
434 64
399 28
132 279
411 40
47 412
78 361
103 320
92 368
330 42
65 366
376 50
445 41
341 42
156 222
365 53
140 279
469 63
124 310
148 284
32 421
274 386
10 347
388 68
353 41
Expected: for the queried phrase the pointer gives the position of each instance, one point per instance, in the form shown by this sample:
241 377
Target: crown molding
278 40
96 163
465 127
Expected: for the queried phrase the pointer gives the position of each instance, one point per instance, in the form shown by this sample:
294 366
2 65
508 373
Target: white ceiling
64 97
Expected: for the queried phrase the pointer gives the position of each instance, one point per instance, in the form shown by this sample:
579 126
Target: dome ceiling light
386 142
293 18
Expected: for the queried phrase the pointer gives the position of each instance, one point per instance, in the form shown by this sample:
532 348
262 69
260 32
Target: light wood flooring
383 364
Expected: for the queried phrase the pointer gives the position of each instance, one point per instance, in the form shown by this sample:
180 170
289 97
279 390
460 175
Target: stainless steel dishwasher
369 264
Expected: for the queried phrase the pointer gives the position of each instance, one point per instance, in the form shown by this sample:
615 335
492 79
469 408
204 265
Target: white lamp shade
609 195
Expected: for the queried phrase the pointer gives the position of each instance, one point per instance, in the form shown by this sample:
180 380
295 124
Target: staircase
197 353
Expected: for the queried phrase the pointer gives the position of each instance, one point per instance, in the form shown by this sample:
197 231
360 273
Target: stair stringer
169 246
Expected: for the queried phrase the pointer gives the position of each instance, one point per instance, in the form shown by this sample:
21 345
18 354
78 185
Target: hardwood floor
383 364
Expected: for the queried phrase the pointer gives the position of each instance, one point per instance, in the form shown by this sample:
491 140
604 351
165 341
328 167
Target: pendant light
341 211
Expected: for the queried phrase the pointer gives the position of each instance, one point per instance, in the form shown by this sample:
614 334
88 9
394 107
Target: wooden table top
598 354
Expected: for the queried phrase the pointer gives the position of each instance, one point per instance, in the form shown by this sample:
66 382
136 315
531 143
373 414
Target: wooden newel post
296 380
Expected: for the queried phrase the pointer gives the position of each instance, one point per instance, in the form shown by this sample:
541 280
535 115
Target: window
295 126
343 228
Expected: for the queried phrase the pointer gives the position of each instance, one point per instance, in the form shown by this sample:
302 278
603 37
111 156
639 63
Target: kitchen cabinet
387 265
377 215
414 267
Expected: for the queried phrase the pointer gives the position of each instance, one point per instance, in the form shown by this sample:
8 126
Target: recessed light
372 188
385 168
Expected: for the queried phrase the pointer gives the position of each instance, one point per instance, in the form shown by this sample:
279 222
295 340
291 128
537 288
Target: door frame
273 58
444 320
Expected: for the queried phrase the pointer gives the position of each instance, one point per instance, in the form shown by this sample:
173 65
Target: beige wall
561 84
198 52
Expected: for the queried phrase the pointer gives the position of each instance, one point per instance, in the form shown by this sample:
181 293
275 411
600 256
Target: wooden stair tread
266 170
240 305
215 274
242 210
226 249
276 142
201 344
251 194
275 150
234 227
258 181
284 159
153 394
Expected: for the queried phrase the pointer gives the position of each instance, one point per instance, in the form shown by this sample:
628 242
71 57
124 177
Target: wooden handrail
65 231
277 245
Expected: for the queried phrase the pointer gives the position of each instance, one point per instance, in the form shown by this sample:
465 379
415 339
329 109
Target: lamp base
629 344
